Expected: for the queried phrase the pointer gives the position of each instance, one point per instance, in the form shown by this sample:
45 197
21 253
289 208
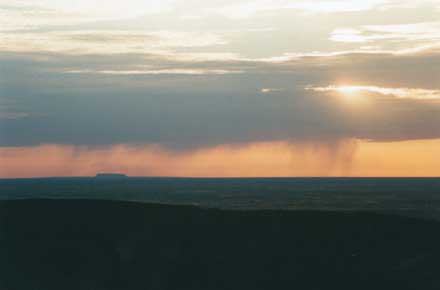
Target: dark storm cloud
184 111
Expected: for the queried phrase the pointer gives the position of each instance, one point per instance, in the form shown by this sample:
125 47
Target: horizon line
227 177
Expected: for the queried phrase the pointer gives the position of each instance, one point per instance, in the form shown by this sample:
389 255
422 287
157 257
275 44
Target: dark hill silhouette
94 245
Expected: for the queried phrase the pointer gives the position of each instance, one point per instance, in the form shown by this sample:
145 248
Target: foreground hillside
94 245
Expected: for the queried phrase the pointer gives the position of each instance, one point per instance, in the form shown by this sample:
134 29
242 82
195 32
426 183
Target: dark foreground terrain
94 245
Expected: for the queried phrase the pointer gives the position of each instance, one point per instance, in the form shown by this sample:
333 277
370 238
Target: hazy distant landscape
406 196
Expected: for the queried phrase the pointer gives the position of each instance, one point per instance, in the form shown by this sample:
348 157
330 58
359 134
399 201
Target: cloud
18 14
246 9
396 37
106 42
8 110
271 90
187 103
65 12
12 115
180 71
403 93
211 27
347 35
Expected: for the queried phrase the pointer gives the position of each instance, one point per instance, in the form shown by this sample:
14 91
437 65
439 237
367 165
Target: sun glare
349 90
349 93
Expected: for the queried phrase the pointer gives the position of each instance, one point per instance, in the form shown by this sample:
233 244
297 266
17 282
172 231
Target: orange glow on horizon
277 159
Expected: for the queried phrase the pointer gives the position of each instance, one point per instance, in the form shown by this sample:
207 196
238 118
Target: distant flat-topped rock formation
110 175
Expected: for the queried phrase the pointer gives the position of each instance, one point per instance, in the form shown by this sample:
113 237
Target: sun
352 94
349 90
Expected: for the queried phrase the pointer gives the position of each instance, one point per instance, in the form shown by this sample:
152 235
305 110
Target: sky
220 88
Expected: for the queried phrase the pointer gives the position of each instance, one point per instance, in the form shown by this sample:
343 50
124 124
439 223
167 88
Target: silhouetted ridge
78 244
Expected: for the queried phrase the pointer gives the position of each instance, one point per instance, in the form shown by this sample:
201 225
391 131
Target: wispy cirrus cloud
8 111
170 71
51 12
271 90
248 9
106 42
397 36
175 25
402 93
22 14
12 115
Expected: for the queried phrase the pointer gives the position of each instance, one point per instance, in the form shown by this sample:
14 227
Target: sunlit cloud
180 71
403 93
106 42
201 56
398 37
18 14
416 30
348 35
95 10
249 8
22 14
271 90
361 51
139 27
